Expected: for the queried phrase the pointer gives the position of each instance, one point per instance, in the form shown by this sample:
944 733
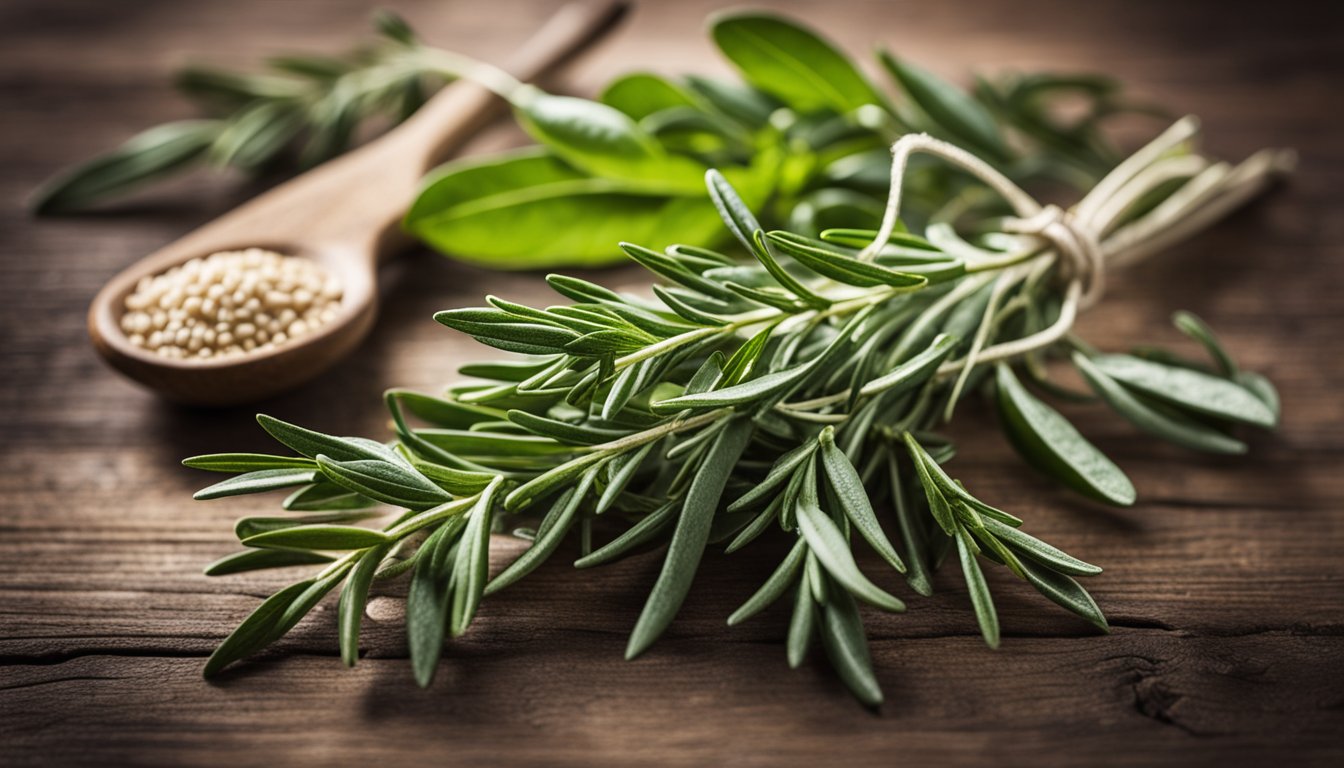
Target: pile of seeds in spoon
230 303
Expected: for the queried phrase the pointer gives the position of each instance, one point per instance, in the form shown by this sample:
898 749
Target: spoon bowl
344 215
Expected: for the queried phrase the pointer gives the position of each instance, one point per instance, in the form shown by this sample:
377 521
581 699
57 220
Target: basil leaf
554 215
1187 389
690 536
792 62
1048 441
602 141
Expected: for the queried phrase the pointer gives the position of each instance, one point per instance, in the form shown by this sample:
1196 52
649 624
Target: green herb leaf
1184 388
261 559
1051 443
980 597
775 586
853 498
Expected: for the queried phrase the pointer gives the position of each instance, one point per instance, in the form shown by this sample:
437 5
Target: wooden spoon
345 215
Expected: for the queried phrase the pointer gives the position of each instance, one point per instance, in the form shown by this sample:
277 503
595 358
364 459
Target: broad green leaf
1065 592
259 481
146 156
844 480
774 587
847 648
553 214
1191 390
748 106
831 549
792 62
640 94
246 462
354 596
319 537
690 536
604 142
981 600
1167 426
949 107
1050 442
260 559
1038 550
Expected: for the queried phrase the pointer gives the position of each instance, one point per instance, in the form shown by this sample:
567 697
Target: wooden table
1224 585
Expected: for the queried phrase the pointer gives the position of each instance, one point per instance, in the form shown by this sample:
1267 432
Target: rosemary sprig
804 139
798 394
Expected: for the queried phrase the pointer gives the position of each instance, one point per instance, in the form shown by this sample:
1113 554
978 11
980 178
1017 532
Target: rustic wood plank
1224 584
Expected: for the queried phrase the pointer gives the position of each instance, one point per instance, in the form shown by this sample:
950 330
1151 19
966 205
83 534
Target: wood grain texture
1224 584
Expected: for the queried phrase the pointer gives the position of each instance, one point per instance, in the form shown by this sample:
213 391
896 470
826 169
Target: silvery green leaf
146 156
354 596
801 624
1054 446
1038 550
1168 426
1190 324
1190 390
831 549
552 531
271 620
844 480
779 473
384 481
1065 592
847 647
690 536
319 537
246 462
981 600
815 255
259 481
259 559
774 587
310 443
324 496
248 527
473 563
912 533
428 597
641 533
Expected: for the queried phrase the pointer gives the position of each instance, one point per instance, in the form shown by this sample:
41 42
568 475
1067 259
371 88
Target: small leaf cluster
796 395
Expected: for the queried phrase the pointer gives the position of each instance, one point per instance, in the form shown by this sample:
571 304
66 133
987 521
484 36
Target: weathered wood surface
1224 584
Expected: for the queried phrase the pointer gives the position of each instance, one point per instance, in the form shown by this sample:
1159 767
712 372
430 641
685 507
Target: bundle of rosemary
796 396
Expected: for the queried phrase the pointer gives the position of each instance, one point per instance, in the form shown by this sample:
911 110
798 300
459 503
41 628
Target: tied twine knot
1075 241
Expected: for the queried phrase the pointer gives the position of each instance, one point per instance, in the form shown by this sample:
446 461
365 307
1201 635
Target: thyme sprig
797 394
